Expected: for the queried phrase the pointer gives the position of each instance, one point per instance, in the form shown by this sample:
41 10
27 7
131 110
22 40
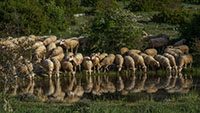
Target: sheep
177 51
183 48
48 66
77 60
129 63
57 66
68 55
143 54
139 61
133 51
158 42
40 53
150 61
123 51
74 44
70 44
49 39
176 56
184 60
152 52
120 84
56 51
67 67
119 60
59 57
36 45
164 62
180 42
96 62
87 64
172 60
107 61
102 56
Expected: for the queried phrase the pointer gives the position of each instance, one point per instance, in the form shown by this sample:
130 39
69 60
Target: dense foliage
173 16
38 17
112 29
152 5
192 1
191 33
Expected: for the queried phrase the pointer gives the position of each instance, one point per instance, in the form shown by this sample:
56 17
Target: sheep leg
72 50
76 49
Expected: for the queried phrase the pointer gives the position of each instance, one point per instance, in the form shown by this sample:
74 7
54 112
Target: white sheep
133 51
59 57
70 44
183 48
37 44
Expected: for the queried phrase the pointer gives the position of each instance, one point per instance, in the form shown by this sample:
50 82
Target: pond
104 86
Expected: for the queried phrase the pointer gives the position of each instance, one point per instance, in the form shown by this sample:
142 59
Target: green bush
152 5
24 17
191 32
112 29
192 1
173 16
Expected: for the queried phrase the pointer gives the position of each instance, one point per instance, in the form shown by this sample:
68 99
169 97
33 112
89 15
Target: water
126 87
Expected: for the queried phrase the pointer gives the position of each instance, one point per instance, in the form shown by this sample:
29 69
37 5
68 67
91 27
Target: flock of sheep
51 55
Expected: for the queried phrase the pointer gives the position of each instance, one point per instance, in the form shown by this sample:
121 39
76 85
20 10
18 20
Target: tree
113 28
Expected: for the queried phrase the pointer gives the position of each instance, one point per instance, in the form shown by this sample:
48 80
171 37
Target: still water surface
132 87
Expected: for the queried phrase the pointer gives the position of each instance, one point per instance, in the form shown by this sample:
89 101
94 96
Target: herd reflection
73 89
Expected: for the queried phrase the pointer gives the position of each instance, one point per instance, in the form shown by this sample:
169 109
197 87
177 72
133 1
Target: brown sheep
123 51
68 67
37 44
129 63
172 60
139 61
40 53
96 62
183 48
87 64
107 61
132 51
184 60
49 39
77 60
164 62
57 66
102 56
56 51
48 66
70 44
150 61
152 52
158 42
59 57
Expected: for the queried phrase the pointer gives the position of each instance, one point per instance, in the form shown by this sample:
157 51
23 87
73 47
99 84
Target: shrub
192 1
152 5
22 17
112 29
191 33
173 16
